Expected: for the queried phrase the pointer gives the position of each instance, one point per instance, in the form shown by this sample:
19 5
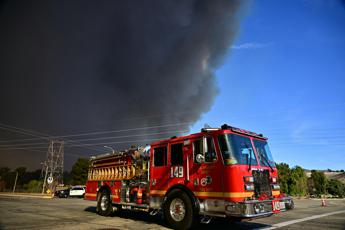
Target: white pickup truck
77 191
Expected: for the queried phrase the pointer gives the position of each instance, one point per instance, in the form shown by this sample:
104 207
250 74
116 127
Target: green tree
67 177
319 181
336 188
5 174
310 185
34 186
79 171
283 177
2 185
21 172
31 175
4 171
8 177
298 181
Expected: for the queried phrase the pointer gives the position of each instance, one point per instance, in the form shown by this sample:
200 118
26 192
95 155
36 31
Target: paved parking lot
72 213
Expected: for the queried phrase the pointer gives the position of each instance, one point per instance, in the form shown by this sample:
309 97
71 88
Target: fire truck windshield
236 149
264 153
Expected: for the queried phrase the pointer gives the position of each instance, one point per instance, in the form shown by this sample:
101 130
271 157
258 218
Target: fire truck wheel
291 205
104 205
179 211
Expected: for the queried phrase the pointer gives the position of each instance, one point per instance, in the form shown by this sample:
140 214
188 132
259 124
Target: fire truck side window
160 156
210 155
198 148
176 154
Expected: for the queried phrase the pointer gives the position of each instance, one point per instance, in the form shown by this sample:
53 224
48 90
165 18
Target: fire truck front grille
262 183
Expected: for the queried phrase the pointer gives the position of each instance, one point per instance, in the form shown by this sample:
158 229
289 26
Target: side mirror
200 158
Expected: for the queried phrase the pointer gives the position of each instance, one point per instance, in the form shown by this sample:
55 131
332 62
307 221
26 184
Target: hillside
330 175
336 175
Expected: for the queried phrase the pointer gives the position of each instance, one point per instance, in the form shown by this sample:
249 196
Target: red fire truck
220 172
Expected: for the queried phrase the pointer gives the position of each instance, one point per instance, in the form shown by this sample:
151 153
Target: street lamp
109 148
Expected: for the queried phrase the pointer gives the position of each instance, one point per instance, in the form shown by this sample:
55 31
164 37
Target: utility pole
53 166
45 177
15 182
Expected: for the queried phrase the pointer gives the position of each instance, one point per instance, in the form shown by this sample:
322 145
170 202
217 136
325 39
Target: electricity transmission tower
53 166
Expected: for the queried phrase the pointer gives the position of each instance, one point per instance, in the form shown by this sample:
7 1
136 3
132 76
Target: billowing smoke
78 66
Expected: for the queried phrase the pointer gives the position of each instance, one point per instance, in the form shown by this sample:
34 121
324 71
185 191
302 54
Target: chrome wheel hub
177 209
104 202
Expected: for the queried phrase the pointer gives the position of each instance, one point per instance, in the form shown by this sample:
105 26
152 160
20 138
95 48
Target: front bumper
289 203
257 208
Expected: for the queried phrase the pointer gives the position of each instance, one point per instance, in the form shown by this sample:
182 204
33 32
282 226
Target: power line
123 142
275 140
81 145
311 135
124 130
107 143
16 130
104 132
40 151
31 133
78 144
28 149
23 144
100 138
136 135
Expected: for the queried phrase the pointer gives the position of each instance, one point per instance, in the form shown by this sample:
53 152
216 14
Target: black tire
104 206
291 205
178 210
118 210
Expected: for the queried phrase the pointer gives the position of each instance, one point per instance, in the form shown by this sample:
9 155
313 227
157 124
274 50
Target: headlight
231 208
258 208
249 187
274 179
248 179
275 186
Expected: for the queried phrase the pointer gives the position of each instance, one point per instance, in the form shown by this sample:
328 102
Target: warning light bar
243 131
209 129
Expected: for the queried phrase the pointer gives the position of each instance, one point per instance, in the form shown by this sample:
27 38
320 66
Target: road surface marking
286 223
26 195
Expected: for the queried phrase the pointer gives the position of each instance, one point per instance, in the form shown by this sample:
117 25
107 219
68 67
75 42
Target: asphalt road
73 213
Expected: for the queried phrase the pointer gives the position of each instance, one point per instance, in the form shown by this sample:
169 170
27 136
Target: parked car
64 193
77 191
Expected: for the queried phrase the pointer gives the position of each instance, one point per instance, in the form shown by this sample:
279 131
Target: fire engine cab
220 172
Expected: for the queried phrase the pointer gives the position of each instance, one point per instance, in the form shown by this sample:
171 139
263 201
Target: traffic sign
50 180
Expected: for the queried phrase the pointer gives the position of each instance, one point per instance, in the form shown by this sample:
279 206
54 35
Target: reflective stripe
225 194
238 194
211 194
91 194
158 192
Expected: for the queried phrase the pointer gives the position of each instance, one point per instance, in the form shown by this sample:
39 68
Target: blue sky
284 76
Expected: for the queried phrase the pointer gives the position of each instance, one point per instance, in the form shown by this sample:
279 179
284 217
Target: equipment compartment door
177 164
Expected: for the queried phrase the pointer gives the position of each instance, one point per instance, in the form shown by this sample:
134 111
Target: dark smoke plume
78 66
